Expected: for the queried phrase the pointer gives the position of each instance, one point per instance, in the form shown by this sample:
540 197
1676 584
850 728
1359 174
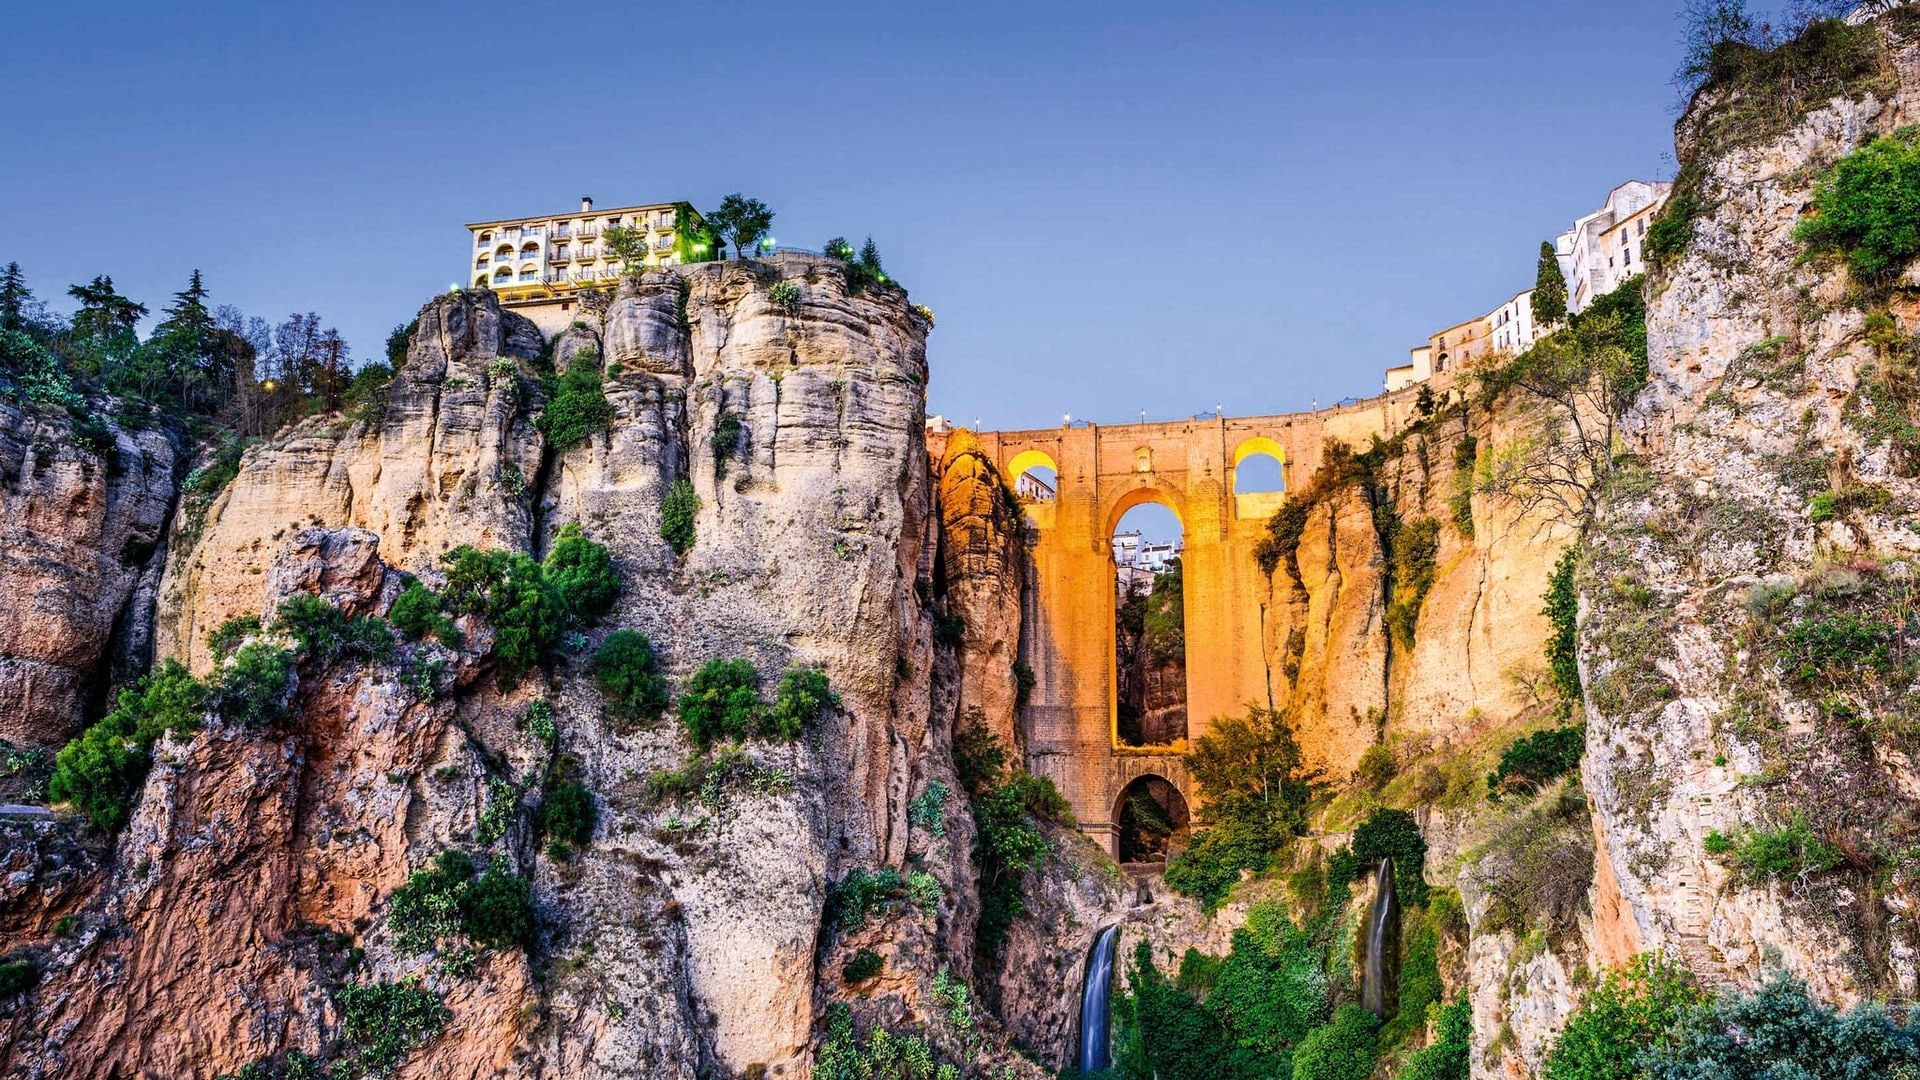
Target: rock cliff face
687 938
1767 399
81 520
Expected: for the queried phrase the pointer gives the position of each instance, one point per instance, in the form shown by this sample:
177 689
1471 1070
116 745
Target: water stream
1095 1051
1383 932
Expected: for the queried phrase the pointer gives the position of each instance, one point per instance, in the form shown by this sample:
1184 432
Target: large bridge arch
1067 636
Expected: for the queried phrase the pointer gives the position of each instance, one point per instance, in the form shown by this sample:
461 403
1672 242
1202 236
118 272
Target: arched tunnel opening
1152 818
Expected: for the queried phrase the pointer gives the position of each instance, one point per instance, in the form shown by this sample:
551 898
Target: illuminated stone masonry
1069 724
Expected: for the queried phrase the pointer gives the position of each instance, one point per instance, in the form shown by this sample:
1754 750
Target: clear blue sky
1110 207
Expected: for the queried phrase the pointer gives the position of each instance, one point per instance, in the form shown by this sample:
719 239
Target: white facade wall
1591 252
1510 327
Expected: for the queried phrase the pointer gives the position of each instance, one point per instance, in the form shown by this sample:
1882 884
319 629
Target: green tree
104 314
1637 1006
1549 287
741 221
398 342
1249 769
628 245
15 299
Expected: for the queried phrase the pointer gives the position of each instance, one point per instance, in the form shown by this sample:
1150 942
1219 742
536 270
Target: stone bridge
1070 721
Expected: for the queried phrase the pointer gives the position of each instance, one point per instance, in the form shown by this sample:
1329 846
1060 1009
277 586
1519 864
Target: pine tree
14 298
1549 288
104 314
188 323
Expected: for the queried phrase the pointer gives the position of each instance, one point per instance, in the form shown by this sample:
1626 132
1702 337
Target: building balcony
562 255
587 232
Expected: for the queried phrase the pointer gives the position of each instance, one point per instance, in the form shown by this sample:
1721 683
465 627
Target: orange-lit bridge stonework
1067 625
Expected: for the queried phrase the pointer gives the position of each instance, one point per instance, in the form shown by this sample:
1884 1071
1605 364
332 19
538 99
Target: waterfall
1095 1053
1383 933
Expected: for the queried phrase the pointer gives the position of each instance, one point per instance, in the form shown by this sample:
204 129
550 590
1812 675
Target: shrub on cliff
1165 1033
1530 763
582 571
1344 1048
1563 646
446 899
625 671
1777 1031
1270 991
1448 1056
579 405
324 632
799 702
222 639
381 1024
677 516
722 701
254 687
567 813
1867 207
100 772
419 611
1415 547
511 592
1634 1008
17 976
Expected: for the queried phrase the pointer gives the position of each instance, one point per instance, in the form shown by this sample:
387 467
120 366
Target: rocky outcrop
692 936
983 563
257 855
447 458
1763 395
81 521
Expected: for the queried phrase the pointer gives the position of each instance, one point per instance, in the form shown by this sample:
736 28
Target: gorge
666 698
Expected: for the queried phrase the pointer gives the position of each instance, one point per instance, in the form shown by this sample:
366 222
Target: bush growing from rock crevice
626 671
1530 763
583 574
324 633
254 687
579 405
512 594
100 772
446 899
677 513
722 701
381 1024
418 612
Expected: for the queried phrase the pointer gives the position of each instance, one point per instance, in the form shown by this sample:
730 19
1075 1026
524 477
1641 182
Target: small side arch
1259 477
1035 478
1151 818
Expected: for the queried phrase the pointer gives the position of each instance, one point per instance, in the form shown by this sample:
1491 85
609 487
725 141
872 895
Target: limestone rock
77 530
